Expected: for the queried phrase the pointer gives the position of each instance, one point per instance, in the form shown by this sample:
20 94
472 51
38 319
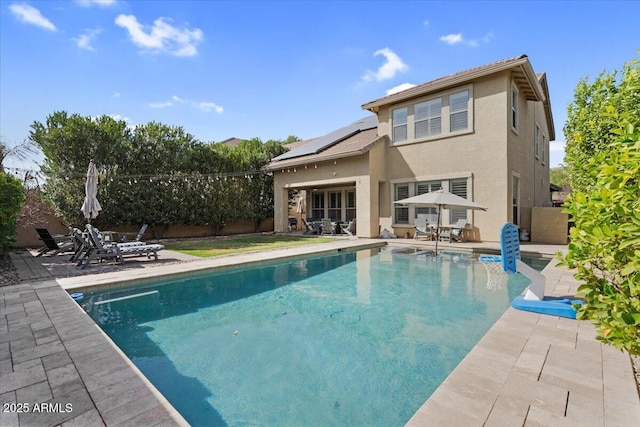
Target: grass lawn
233 245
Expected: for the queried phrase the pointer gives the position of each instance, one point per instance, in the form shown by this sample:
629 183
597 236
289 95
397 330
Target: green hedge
11 198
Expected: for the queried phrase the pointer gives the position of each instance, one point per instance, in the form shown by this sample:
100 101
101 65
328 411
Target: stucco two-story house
482 134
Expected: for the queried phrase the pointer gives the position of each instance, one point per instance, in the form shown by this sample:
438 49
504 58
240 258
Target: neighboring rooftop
232 142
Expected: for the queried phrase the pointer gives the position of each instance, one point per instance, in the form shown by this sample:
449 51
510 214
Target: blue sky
270 69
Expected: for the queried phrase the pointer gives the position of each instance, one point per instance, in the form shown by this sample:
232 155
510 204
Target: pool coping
528 368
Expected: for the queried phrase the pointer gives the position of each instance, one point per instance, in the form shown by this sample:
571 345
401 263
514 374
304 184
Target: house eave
523 74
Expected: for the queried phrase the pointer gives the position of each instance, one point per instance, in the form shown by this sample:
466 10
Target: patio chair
311 228
57 244
421 228
349 228
327 227
455 232
125 236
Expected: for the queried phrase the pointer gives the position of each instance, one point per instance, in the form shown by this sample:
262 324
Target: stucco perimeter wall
549 226
28 237
479 155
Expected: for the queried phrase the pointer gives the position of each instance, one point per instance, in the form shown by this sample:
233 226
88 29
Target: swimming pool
351 338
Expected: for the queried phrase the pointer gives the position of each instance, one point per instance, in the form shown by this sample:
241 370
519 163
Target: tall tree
588 129
605 205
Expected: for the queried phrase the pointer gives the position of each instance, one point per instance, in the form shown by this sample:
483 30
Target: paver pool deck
58 368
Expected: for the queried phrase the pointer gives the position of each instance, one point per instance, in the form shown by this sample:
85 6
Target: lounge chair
124 237
57 244
100 251
349 228
328 227
421 228
311 228
455 232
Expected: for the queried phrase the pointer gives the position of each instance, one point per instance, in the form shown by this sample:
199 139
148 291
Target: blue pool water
352 338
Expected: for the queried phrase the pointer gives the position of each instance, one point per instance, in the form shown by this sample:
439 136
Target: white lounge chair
455 232
421 228
349 228
328 227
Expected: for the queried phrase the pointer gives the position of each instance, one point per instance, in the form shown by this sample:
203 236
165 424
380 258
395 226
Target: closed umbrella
440 199
300 204
91 206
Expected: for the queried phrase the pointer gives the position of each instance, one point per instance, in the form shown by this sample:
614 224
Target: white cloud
84 40
162 37
101 3
458 38
31 15
426 23
119 117
210 107
400 88
389 69
160 104
452 38
116 94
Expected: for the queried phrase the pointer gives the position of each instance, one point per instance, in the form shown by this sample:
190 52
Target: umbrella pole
438 228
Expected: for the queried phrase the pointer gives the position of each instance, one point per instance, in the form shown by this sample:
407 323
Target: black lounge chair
57 244
311 228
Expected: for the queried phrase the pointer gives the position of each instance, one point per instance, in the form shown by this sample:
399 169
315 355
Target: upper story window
536 139
439 116
400 124
544 149
514 107
459 111
428 118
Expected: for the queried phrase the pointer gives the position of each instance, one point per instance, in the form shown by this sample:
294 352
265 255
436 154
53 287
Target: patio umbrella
300 204
91 206
440 199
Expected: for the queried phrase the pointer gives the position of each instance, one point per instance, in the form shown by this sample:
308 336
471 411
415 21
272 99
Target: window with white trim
459 111
439 116
401 191
544 149
400 124
335 205
351 205
408 214
317 205
515 199
536 138
428 118
459 188
427 187
514 107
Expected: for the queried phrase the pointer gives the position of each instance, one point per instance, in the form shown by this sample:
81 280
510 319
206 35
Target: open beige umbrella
91 206
440 199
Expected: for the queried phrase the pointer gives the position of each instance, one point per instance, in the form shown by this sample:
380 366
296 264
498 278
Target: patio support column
281 209
367 214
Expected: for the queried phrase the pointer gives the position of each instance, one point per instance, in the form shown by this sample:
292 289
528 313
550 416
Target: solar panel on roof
330 139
